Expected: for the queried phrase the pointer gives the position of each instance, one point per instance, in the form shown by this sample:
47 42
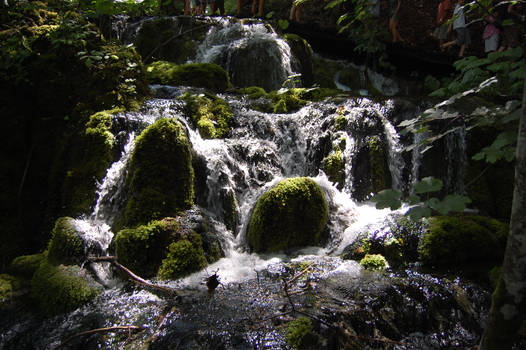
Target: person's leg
238 7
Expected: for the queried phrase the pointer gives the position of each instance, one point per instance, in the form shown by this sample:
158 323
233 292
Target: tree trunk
508 304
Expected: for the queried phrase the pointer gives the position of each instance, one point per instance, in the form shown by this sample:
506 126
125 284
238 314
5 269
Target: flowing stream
264 148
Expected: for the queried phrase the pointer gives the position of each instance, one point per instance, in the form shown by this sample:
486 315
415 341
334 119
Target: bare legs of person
254 7
295 12
393 21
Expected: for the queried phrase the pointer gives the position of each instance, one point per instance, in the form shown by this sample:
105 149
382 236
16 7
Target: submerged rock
291 214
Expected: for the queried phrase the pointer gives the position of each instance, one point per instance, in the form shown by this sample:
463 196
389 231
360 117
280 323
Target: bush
299 333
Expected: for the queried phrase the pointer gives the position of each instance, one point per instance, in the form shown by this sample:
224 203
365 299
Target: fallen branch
99 330
134 277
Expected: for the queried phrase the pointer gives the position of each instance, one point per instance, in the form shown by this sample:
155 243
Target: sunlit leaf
387 199
419 212
428 184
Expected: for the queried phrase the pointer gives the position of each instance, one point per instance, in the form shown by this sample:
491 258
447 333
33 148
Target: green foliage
207 75
252 92
183 257
502 148
8 284
142 249
160 175
299 333
65 246
455 240
423 204
373 262
60 289
291 214
212 115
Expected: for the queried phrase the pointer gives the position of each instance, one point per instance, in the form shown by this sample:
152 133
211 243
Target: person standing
491 34
459 25
444 12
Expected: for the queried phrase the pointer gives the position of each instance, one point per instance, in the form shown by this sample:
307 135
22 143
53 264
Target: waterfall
252 54
456 158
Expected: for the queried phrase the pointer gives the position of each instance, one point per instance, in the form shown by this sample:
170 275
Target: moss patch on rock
160 175
65 246
142 249
59 289
206 75
25 266
183 257
298 334
462 239
373 262
210 114
8 285
332 166
291 214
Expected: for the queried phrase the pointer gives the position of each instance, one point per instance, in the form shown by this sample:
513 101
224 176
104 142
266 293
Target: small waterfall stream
263 148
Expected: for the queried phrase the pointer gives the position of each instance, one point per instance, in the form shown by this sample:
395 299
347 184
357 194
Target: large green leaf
387 199
428 184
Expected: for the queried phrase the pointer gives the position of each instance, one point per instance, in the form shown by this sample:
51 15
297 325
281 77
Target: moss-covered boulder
332 166
93 154
162 248
160 176
206 75
25 266
210 114
66 245
184 257
143 248
8 285
291 214
61 288
462 239
379 170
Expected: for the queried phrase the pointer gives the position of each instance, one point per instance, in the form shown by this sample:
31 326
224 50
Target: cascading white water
252 54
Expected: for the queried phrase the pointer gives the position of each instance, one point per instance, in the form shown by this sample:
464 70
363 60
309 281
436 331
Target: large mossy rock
143 248
61 288
160 176
66 245
167 248
291 214
302 53
206 75
463 239
24 266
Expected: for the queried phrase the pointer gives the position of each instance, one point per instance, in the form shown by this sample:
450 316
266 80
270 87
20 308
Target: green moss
211 114
291 214
358 249
252 92
65 246
184 257
299 333
393 250
456 240
340 122
207 75
333 167
373 262
59 289
494 275
95 154
142 249
25 266
160 175
8 284
378 164
288 101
